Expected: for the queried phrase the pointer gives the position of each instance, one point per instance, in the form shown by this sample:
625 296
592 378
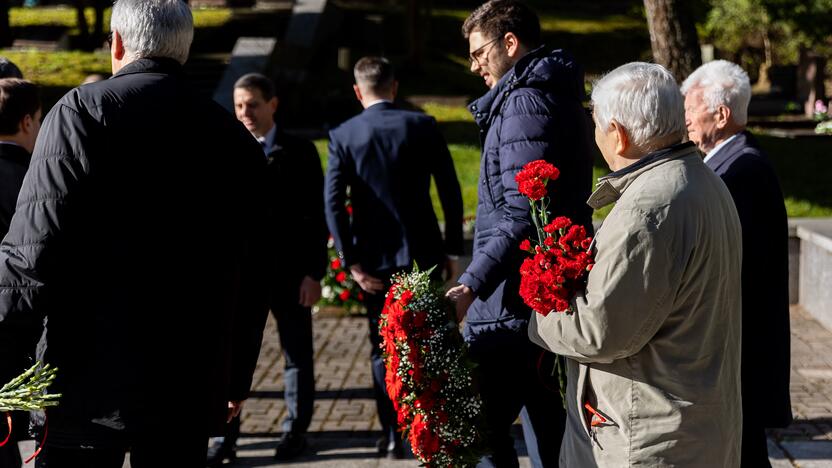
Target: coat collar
483 107
381 106
725 153
14 153
151 65
610 187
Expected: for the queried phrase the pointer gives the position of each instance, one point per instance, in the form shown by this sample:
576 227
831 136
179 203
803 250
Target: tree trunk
673 36
83 27
98 33
414 34
6 38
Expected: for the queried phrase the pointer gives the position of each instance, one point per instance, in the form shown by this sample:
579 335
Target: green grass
803 165
62 69
20 17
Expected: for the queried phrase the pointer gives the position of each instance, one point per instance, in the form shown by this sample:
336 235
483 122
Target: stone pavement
344 424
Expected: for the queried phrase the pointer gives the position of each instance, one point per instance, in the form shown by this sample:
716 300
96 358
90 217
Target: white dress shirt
718 147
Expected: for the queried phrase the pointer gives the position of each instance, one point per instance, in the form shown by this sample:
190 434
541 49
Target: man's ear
394 89
723 116
273 103
26 124
118 51
622 143
357 92
512 44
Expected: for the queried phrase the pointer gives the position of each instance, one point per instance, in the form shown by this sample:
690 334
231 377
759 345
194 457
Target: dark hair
496 18
18 98
259 82
375 73
8 69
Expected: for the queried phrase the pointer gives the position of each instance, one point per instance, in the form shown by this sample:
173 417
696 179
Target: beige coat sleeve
628 295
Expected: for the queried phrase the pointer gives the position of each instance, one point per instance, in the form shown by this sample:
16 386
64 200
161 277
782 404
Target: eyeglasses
476 55
110 39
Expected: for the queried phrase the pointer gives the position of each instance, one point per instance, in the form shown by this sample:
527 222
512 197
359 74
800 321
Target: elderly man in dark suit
20 113
386 157
716 110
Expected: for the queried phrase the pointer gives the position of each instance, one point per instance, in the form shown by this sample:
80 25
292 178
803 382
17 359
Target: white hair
154 28
723 84
643 98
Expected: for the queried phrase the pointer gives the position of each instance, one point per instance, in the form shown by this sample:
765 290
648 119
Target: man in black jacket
294 173
19 126
139 235
387 157
716 111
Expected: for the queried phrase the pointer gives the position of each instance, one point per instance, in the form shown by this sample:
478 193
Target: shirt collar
267 140
718 147
378 101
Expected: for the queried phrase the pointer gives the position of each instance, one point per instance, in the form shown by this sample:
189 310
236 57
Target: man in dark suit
295 190
716 110
20 113
386 156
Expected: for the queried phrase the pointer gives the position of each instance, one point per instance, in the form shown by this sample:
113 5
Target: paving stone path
344 426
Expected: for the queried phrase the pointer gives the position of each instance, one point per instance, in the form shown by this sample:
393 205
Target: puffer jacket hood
554 72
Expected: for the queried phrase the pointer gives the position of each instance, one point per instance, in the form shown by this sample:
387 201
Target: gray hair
154 28
645 99
723 84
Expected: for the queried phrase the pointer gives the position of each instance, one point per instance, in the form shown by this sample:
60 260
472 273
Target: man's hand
310 292
234 409
368 283
463 296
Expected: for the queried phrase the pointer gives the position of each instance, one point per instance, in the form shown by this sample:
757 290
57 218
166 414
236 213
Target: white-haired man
716 112
137 236
653 344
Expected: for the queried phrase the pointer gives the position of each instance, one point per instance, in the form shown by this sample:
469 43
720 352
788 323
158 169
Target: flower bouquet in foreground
559 257
429 375
27 393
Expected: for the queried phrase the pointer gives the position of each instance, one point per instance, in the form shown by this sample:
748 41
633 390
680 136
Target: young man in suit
20 113
299 258
716 111
387 156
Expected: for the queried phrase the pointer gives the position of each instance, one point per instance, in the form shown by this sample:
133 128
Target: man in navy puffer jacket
533 111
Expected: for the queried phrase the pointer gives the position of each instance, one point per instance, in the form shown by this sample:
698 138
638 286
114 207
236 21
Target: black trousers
754 445
386 414
294 327
509 380
183 450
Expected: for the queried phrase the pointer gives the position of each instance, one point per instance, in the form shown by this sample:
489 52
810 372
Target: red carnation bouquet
560 258
429 375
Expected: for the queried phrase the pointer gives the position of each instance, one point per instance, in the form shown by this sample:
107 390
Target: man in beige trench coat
653 346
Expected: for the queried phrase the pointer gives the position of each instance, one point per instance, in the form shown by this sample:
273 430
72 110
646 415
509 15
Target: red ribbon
593 422
9 435
43 441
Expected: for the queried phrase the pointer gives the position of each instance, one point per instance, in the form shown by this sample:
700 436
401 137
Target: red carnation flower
345 294
341 276
336 264
525 245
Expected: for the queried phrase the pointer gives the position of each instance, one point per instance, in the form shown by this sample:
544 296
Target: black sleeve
447 186
314 218
252 302
57 172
